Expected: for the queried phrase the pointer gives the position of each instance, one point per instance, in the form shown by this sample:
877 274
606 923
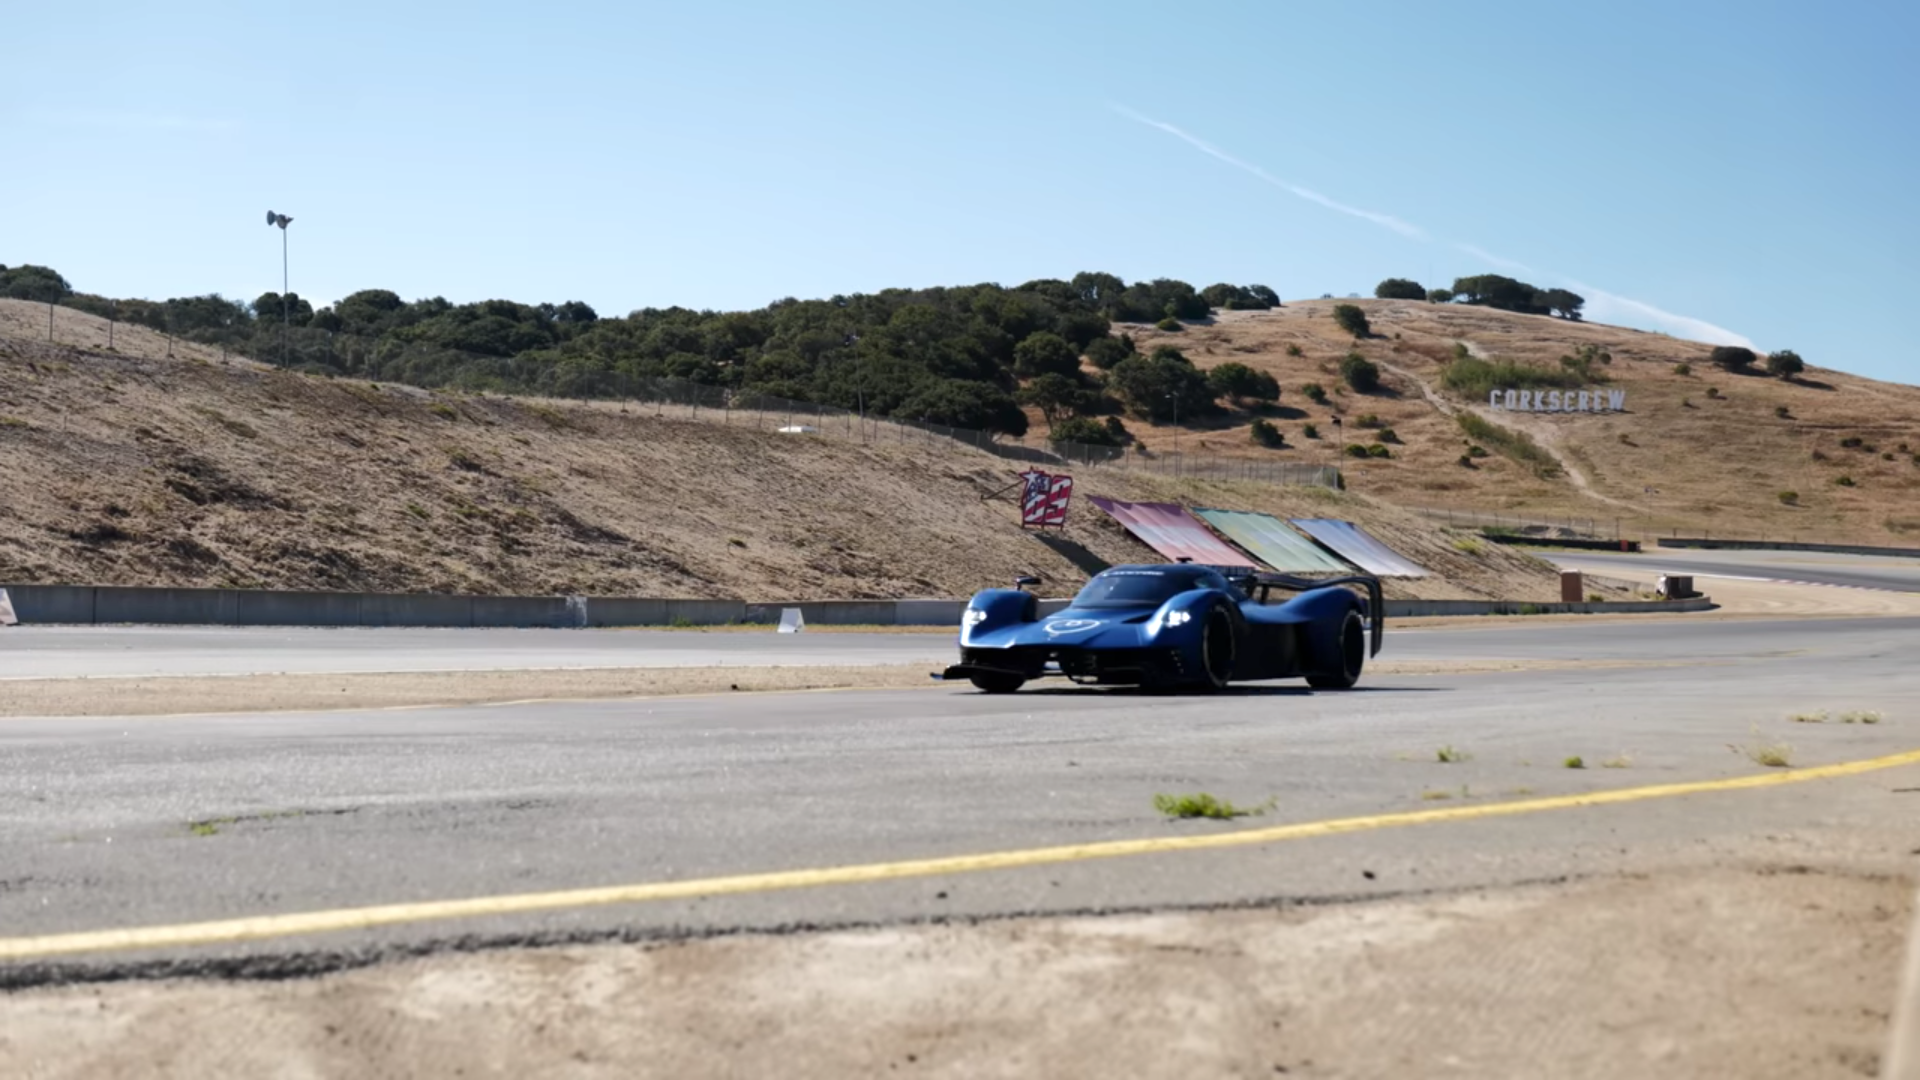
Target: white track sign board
6 610
1558 401
791 621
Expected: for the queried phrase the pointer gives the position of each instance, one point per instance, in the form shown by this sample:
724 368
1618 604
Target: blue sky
1707 169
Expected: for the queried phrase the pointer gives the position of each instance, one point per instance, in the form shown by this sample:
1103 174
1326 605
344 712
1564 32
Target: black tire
1218 646
1353 656
996 683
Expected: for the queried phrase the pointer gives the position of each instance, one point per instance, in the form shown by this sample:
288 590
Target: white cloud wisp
1607 306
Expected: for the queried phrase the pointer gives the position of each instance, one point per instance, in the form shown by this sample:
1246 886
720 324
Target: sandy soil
124 470
1736 971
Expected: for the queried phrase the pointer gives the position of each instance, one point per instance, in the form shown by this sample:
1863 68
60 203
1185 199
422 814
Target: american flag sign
1043 500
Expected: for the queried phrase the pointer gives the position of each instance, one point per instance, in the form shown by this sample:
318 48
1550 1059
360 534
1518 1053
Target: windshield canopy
1145 586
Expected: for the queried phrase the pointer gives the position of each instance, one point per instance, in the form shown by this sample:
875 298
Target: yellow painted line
361 918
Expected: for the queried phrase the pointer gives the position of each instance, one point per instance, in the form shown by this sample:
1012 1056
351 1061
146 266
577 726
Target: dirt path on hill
1544 434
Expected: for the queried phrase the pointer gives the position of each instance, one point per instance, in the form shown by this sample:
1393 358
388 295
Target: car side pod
1373 610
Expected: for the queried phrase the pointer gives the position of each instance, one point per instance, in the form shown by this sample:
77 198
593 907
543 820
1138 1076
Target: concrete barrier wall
1411 609
106 605
1563 542
1771 545
52 603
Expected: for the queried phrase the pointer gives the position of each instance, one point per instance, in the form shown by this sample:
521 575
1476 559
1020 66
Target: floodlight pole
286 309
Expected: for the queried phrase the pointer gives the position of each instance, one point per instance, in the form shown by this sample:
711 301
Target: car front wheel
997 683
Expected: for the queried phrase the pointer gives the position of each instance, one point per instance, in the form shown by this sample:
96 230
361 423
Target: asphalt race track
154 822
1814 568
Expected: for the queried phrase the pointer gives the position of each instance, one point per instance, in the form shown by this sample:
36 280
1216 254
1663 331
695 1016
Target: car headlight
1165 619
973 617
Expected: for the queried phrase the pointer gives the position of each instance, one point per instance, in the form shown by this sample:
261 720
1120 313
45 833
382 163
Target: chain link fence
326 354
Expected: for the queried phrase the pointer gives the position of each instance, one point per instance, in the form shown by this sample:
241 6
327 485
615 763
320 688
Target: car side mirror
1025 581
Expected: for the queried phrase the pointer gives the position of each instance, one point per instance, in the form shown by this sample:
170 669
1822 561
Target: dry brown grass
1716 468
128 469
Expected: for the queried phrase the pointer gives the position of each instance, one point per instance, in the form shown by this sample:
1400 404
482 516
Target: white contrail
1384 220
1600 301
1609 307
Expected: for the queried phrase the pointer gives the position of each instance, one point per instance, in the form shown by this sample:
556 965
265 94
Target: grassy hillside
1709 450
132 468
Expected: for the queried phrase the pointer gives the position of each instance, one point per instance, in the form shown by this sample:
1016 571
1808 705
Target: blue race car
1174 625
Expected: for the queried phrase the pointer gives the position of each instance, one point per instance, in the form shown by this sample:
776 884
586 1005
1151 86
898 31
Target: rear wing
1260 585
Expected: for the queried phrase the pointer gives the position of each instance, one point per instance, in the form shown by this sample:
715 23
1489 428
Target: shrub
1361 373
1785 363
1352 320
1399 289
1312 432
1379 451
1475 378
1169 324
1683 369
1355 450
1852 442
1388 435
1476 450
1369 421
1082 429
1732 357
1782 412
1315 393
1295 350
1238 381
1466 461
1713 391
1790 498
1266 434
1512 444
1105 352
1846 481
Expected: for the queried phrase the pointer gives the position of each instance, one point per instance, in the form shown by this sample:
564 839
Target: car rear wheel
1353 656
1217 646
996 683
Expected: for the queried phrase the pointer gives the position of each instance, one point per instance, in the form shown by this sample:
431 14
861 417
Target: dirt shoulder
1734 971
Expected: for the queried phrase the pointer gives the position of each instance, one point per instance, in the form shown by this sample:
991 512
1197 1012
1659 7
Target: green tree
1044 353
1440 296
1399 289
1732 357
965 404
1108 351
1361 373
1266 434
1785 363
1162 386
38 283
1352 320
1240 382
1560 302
1055 395
1080 429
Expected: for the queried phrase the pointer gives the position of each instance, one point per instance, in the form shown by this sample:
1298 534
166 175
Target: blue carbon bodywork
1221 630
